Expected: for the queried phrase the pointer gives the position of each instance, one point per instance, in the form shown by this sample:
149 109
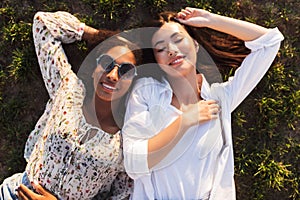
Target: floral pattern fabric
56 156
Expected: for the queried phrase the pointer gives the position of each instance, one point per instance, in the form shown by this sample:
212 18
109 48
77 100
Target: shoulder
149 83
149 89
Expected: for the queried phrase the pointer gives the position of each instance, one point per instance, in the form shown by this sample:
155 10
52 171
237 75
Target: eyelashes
160 50
175 41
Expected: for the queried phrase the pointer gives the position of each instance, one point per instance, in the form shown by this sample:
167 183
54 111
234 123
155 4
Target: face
174 49
110 86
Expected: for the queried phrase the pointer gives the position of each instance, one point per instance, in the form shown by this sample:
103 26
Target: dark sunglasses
125 70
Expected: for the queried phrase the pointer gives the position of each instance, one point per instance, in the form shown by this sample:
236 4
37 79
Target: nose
113 74
172 53
172 50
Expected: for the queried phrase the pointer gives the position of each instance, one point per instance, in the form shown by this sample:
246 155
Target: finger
214 117
214 107
21 195
215 111
180 15
26 191
39 188
43 191
211 101
190 9
186 12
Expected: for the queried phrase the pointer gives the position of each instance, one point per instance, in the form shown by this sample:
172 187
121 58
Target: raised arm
94 36
264 44
241 29
50 30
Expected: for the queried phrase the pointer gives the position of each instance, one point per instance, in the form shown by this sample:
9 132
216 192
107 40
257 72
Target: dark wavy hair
226 50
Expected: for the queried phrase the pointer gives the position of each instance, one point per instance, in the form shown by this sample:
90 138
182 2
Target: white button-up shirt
201 165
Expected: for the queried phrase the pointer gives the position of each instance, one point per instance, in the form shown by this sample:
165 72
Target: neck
185 88
103 108
99 113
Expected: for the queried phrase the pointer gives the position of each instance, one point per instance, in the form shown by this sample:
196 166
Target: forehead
121 54
167 30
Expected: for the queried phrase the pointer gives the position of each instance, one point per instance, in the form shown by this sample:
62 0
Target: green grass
265 126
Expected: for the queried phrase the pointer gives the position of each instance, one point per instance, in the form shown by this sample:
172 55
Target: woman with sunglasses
168 152
75 149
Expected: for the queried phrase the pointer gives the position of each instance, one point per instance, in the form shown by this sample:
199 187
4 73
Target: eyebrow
161 41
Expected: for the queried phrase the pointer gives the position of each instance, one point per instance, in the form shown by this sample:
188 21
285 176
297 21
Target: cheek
187 46
160 58
189 50
123 86
97 76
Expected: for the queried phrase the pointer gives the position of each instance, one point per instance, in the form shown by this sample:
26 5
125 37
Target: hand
194 17
26 194
200 112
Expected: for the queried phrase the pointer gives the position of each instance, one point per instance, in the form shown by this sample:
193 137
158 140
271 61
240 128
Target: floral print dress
56 155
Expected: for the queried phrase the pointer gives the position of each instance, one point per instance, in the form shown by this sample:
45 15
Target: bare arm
241 29
94 36
162 143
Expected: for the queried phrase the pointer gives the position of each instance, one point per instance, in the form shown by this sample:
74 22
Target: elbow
128 167
136 159
38 15
36 20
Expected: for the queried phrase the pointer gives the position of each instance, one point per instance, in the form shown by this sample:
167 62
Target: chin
104 96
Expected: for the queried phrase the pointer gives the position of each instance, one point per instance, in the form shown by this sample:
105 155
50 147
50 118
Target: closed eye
178 40
160 50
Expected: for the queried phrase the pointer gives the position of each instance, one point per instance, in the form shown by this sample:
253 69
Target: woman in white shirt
167 151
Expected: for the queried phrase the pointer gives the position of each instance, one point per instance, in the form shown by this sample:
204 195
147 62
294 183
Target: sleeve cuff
272 37
137 164
80 31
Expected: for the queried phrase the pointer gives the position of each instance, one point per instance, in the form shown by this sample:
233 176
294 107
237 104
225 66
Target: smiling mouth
108 87
177 60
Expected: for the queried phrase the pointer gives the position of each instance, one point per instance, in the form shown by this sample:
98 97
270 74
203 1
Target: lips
176 60
108 87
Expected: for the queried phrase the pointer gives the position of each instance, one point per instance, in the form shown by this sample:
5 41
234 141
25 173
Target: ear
196 45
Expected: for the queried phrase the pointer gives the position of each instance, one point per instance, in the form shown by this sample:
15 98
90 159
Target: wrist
187 120
212 20
89 33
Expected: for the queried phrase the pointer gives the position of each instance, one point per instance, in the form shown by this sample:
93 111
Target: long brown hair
227 51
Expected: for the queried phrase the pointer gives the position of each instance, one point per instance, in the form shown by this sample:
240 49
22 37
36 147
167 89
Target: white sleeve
254 66
140 125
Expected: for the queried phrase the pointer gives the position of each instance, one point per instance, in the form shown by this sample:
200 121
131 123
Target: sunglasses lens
106 62
127 70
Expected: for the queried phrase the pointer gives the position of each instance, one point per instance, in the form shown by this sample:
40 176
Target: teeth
176 61
108 86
